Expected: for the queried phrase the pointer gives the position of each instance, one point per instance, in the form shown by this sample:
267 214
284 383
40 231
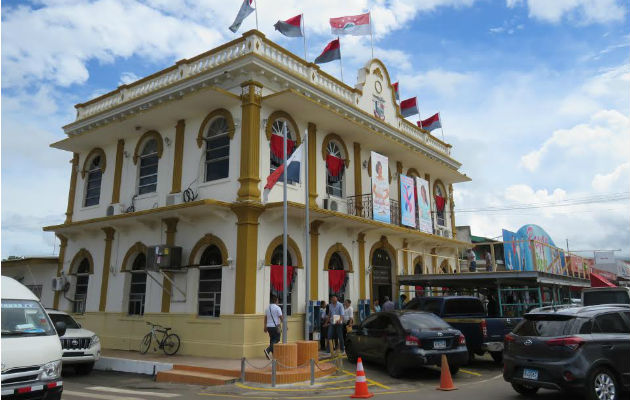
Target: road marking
369 380
264 389
469 372
324 396
87 395
127 391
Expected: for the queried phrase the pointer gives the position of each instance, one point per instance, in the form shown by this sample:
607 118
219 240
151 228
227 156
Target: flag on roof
293 171
395 85
409 107
355 25
246 9
331 52
431 123
292 27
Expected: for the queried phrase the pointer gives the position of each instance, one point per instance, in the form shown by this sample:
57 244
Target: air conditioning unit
164 257
331 205
110 211
174 198
60 284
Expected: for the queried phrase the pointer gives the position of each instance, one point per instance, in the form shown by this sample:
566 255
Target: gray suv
585 349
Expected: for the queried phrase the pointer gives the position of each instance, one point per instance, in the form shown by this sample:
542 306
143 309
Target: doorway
381 275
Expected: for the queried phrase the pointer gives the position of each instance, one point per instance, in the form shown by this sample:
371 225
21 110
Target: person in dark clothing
493 307
323 313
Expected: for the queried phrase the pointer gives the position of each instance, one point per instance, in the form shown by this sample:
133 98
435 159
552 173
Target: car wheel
351 354
497 356
83 369
393 369
602 385
525 390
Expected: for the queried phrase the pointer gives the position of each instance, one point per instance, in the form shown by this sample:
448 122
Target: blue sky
533 95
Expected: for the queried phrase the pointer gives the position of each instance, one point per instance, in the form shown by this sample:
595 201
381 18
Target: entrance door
381 275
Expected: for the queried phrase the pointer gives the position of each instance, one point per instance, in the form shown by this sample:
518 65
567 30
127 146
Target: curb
132 366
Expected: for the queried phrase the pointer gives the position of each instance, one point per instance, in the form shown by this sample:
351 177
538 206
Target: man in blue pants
335 322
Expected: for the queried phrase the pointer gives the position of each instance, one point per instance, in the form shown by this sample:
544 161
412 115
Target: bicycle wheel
146 343
171 344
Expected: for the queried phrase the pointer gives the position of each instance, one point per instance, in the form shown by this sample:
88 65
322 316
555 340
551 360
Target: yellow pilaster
120 152
171 229
63 243
357 176
109 237
178 156
361 241
73 187
312 164
251 95
246 255
315 257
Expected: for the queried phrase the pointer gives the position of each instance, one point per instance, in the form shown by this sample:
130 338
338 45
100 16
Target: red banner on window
276 148
276 277
334 166
439 203
336 278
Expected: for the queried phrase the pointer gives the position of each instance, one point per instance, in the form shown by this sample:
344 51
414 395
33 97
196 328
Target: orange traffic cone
446 382
360 386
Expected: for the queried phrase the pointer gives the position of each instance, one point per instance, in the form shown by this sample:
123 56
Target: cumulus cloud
581 11
440 81
617 179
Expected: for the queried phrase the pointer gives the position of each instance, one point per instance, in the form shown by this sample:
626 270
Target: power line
607 198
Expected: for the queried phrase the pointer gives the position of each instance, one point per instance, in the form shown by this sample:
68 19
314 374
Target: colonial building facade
180 157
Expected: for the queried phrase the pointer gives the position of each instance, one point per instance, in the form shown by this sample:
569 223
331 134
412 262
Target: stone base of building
229 336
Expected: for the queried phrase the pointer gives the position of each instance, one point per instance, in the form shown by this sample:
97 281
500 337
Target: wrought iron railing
363 206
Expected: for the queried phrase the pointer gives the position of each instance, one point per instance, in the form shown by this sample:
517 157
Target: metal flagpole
256 10
284 235
340 64
441 129
371 37
307 227
304 36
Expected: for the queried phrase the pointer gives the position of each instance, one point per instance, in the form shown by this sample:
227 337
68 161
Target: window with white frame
335 165
440 214
147 179
217 150
278 127
138 286
210 275
80 292
93 182
276 259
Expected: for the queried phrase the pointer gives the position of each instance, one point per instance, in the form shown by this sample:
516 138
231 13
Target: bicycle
169 342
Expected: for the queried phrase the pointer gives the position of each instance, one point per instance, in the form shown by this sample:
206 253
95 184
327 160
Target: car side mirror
60 327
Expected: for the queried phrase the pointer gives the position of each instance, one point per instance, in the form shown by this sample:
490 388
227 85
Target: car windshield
606 297
423 322
553 325
463 307
25 318
65 318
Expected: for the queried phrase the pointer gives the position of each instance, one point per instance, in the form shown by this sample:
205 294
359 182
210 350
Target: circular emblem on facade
378 87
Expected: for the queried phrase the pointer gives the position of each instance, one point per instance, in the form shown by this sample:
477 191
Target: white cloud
446 83
127 78
582 11
616 180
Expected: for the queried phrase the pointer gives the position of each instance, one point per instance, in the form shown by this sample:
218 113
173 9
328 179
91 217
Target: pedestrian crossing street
113 393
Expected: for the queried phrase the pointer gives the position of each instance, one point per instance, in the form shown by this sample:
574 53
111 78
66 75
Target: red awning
599 281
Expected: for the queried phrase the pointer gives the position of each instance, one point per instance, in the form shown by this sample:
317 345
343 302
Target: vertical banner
380 188
424 206
407 201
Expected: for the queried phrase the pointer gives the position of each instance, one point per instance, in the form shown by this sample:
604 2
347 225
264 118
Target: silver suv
81 347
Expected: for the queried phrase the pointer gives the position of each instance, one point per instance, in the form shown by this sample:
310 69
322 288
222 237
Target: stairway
197 375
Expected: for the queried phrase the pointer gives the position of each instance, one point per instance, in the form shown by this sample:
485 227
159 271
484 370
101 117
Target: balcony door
381 275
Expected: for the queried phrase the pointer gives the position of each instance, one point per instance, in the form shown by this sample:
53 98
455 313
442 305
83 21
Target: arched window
80 293
147 180
335 166
210 274
336 264
138 287
278 127
276 259
93 182
440 203
217 149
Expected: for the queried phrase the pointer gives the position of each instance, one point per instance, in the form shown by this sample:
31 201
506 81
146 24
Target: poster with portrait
380 188
407 201
424 205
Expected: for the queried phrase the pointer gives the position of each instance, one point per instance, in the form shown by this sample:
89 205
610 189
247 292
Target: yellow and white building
180 158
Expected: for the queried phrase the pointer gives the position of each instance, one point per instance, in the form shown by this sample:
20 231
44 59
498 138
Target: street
480 381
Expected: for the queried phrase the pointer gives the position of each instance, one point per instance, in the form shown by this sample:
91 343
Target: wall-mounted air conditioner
60 283
330 204
164 257
173 198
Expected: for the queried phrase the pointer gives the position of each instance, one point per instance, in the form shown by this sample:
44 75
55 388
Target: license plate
530 374
439 344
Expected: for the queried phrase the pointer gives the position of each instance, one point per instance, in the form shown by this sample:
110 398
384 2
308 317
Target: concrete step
194 377
208 370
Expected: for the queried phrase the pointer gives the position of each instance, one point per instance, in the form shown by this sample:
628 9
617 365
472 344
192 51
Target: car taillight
462 339
412 341
484 328
509 338
572 343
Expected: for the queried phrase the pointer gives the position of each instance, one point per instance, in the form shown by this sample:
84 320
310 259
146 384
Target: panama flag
331 52
356 25
292 27
395 85
409 107
246 9
431 123
293 171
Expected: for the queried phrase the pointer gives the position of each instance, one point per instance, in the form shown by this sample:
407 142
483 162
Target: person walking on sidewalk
273 318
388 305
335 321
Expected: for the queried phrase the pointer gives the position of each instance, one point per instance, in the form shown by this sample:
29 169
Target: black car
406 339
584 349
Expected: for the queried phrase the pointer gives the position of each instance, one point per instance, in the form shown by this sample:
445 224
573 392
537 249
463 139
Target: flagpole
284 235
307 265
304 36
340 64
371 37
256 10
441 129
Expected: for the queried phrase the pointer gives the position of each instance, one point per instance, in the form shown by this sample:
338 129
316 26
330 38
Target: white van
31 350
605 295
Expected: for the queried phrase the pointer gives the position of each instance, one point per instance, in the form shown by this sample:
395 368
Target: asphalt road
479 381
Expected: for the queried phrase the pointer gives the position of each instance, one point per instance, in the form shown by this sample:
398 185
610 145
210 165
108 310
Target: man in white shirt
348 319
273 319
335 321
